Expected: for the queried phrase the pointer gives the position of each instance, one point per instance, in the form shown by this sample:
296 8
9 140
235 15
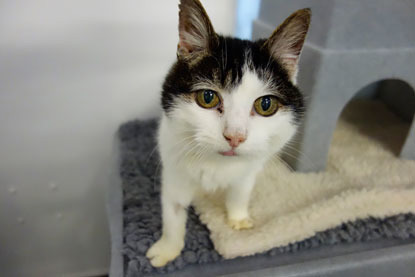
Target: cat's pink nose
234 139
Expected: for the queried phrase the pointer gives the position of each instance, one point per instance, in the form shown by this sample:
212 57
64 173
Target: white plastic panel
70 73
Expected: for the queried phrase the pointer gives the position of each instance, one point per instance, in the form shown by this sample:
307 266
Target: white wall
70 73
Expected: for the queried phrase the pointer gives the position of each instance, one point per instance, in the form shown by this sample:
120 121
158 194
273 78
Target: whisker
151 153
283 162
155 175
292 148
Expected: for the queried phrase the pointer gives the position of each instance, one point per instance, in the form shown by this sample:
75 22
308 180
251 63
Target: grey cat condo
352 46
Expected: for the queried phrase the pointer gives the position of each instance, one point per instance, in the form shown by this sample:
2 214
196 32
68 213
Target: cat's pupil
265 103
208 96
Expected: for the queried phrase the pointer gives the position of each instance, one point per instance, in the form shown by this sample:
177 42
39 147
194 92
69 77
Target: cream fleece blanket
363 178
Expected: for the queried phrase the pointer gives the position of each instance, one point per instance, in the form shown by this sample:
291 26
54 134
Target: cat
229 105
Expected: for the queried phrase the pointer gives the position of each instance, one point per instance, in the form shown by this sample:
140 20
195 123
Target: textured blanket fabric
365 193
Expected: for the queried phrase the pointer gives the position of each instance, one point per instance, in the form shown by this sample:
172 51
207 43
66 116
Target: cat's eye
266 105
207 99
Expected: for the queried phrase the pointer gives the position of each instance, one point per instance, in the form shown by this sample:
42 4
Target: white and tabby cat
229 106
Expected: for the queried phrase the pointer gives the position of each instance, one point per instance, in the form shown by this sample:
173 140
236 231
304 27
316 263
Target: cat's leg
174 201
237 203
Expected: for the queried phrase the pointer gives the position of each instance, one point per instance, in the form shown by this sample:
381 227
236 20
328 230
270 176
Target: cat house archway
313 141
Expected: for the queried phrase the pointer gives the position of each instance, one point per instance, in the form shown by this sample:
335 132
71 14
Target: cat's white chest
212 175
212 178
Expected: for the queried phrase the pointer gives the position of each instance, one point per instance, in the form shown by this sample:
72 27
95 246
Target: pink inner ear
184 47
290 61
289 57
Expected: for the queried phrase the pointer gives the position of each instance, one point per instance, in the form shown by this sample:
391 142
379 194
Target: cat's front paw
239 224
163 251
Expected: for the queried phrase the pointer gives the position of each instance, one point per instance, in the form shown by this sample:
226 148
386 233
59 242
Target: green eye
207 99
266 105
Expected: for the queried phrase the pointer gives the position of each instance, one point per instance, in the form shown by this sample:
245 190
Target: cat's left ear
196 33
286 42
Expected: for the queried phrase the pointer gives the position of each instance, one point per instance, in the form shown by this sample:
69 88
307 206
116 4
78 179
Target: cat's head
235 97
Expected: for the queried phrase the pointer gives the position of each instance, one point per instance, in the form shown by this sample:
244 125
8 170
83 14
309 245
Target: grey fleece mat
140 174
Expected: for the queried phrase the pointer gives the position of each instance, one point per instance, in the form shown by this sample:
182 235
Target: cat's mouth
228 153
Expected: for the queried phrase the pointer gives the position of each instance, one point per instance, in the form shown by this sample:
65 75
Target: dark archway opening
381 112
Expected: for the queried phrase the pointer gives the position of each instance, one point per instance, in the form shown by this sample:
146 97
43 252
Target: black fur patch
223 65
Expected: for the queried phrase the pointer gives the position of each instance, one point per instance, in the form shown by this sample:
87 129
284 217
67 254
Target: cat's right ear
196 33
287 41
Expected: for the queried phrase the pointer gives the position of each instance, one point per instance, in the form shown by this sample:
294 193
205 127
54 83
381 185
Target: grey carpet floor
140 175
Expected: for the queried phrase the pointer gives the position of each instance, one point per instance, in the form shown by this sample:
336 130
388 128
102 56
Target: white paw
239 224
163 251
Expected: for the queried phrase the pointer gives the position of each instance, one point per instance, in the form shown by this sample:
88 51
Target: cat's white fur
190 139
